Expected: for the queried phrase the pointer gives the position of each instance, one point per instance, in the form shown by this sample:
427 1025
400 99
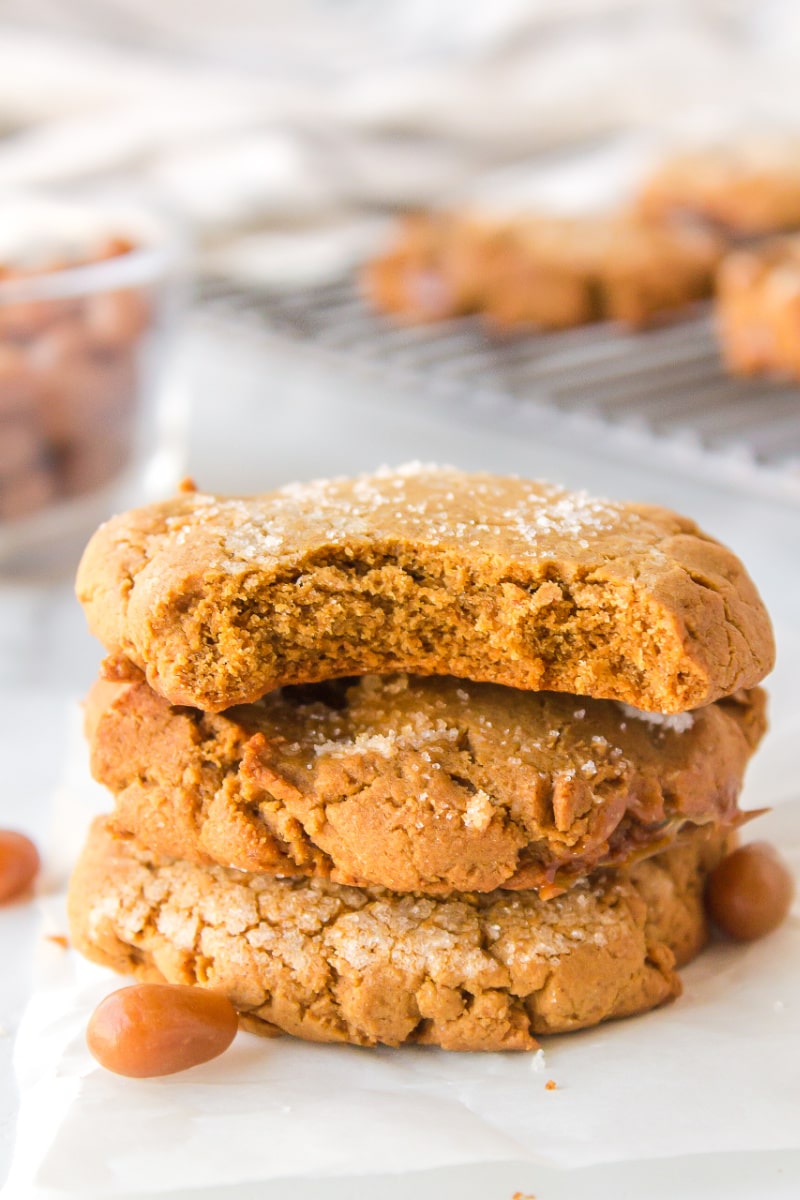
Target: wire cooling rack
659 393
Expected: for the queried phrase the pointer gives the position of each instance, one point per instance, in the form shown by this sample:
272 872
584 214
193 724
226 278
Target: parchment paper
716 1071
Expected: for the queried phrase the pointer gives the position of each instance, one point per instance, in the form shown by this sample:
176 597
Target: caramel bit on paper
551 1085
523 1196
187 484
59 938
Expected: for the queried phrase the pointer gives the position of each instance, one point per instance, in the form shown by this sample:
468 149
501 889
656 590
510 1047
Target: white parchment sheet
719 1070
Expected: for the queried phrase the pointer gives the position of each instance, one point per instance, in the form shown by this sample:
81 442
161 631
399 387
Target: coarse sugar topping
675 722
435 505
405 738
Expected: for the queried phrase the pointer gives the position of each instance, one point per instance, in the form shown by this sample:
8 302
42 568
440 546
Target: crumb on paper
551 1085
187 484
3 1031
523 1196
60 939
537 1060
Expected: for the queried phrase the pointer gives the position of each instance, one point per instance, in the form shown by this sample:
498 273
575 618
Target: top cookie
427 570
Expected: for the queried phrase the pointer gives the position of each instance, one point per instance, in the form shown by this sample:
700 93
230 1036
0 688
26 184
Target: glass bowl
89 297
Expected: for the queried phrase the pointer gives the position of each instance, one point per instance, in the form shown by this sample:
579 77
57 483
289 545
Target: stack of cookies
414 757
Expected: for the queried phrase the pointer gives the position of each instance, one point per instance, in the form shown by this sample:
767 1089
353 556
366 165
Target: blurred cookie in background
548 271
758 309
749 187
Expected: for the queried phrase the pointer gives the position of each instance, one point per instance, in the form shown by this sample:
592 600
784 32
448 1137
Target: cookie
549 271
427 570
559 272
338 964
752 187
433 269
758 309
416 784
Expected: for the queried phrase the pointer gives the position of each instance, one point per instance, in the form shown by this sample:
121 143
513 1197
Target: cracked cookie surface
416 784
429 570
341 964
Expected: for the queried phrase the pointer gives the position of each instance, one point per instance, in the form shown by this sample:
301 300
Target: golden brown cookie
418 785
434 269
748 188
758 309
557 272
549 271
428 570
340 964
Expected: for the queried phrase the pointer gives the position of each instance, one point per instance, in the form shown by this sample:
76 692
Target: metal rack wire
659 391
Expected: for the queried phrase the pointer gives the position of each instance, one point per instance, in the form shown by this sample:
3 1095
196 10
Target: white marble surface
261 418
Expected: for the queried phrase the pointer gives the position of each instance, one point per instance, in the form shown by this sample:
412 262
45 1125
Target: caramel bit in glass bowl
69 376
